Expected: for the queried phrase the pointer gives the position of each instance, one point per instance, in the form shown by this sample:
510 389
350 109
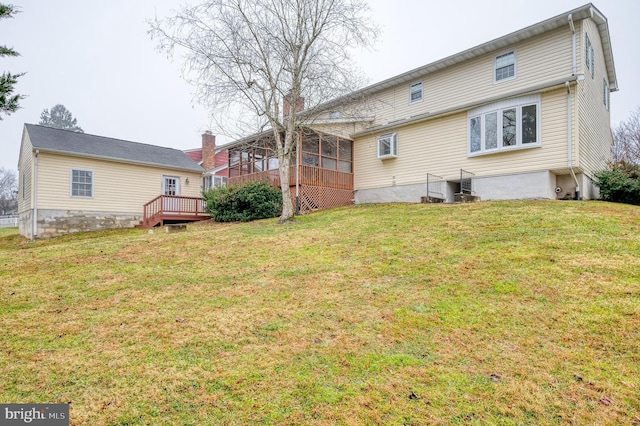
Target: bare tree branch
244 57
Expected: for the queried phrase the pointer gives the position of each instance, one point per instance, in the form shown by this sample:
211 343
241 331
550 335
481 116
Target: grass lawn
509 313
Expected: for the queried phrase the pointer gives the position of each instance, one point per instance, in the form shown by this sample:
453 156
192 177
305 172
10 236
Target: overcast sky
96 58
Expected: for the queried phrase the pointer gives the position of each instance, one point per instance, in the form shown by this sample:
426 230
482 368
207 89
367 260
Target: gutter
429 116
570 106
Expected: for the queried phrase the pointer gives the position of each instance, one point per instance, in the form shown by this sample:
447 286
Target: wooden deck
173 208
309 175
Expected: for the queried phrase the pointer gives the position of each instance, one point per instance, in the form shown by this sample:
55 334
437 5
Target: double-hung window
504 126
505 66
588 54
81 183
415 92
388 146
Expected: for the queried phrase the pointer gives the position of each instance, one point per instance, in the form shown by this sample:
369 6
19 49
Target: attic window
605 94
505 66
415 92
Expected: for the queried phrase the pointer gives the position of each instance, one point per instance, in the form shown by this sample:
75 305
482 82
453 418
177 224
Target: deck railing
173 207
308 175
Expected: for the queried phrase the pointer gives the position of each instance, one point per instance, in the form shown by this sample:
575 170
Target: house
214 161
71 182
522 116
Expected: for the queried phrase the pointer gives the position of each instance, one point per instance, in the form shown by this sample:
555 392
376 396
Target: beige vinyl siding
439 146
594 120
25 168
540 59
118 187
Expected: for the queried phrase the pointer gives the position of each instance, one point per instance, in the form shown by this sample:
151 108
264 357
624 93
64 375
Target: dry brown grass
493 313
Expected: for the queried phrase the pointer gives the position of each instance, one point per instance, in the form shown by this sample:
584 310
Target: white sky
96 58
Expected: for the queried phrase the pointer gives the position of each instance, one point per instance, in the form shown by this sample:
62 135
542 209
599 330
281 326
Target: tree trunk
287 205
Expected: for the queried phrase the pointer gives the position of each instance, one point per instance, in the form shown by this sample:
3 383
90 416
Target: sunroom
321 167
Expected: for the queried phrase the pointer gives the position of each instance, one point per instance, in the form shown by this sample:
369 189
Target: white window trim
590 58
178 184
515 66
93 183
393 137
516 103
606 93
411 101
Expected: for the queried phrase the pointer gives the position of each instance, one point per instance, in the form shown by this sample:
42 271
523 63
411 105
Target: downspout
35 197
569 107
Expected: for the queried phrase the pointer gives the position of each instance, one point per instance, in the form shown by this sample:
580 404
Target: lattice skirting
317 198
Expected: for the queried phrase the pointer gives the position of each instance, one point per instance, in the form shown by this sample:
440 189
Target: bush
620 183
255 200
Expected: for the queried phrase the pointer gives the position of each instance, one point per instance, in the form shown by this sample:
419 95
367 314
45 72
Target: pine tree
9 102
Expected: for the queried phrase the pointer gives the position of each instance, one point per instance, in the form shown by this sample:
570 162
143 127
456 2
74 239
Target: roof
48 139
562 20
583 12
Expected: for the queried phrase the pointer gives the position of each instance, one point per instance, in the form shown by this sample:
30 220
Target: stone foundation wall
52 223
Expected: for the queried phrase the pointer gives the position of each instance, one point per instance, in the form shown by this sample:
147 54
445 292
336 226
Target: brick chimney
286 105
208 150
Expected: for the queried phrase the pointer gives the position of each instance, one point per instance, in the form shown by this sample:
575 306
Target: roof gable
48 139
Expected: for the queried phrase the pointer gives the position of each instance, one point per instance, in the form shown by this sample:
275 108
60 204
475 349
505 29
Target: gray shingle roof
48 139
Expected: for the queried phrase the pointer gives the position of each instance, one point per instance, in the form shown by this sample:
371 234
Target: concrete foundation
518 186
52 223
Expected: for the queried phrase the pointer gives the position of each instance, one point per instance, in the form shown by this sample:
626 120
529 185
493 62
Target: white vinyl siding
592 139
117 187
25 169
439 146
539 60
505 66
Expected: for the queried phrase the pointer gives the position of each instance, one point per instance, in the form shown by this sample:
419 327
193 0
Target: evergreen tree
60 118
8 100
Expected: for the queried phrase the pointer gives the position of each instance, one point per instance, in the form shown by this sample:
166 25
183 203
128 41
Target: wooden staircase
173 209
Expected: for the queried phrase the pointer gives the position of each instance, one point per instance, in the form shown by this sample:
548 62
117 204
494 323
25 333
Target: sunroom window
505 126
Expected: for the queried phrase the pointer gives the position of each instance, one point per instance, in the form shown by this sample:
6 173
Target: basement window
388 146
81 183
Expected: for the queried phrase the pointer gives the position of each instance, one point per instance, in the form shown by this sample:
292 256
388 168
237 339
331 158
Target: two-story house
522 116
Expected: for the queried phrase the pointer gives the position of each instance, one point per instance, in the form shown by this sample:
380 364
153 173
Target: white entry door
171 186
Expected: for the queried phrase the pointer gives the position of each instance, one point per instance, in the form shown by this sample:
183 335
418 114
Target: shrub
254 200
620 183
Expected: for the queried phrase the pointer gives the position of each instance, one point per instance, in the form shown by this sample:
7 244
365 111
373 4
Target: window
415 92
388 146
605 93
81 183
211 182
505 66
504 126
588 54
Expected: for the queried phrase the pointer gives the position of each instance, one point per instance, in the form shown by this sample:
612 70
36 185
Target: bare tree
626 140
8 191
245 56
